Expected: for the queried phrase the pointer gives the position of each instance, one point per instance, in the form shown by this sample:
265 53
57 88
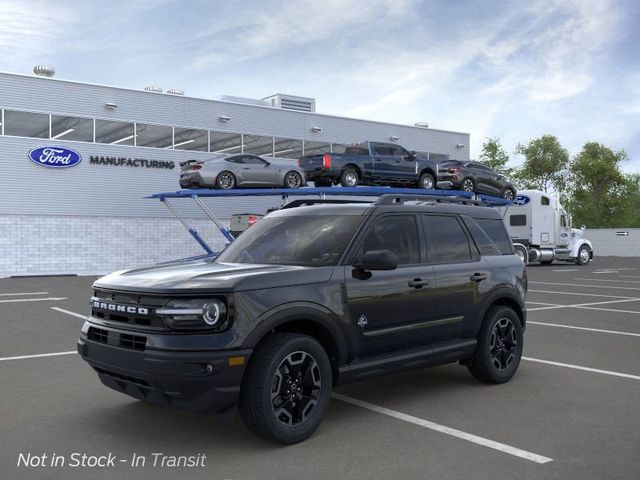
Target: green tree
494 156
545 164
599 193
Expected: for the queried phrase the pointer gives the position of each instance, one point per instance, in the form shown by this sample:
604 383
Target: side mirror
583 228
378 260
411 156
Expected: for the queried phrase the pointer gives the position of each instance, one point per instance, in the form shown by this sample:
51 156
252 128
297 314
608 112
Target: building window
316 148
71 128
115 133
287 148
257 145
26 124
157 136
227 143
191 139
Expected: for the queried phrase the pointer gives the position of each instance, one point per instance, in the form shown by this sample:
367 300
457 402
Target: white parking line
566 270
597 330
583 285
485 442
49 299
73 314
607 280
629 276
40 355
578 367
581 294
585 305
23 293
541 303
610 310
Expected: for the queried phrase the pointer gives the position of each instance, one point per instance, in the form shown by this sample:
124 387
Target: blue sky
515 70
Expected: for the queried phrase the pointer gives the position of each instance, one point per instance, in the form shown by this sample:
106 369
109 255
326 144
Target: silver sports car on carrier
243 170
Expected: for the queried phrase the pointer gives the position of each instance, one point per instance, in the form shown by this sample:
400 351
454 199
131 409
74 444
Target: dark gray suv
308 298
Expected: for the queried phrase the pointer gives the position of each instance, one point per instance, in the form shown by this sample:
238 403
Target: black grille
107 302
133 342
98 335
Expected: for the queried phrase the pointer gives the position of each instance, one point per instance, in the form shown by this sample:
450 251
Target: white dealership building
91 217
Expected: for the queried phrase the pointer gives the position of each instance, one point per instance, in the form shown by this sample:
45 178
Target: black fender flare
496 295
315 313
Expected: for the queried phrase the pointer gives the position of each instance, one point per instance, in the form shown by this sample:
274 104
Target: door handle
478 277
418 283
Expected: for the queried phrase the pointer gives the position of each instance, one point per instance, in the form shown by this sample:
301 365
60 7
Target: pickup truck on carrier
371 163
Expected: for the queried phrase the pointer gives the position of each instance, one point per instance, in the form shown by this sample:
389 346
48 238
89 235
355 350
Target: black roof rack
391 199
317 201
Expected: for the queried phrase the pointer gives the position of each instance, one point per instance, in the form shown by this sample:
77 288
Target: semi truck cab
541 230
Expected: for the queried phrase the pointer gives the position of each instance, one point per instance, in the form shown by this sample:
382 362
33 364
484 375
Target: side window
383 150
397 233
238 159
398 151
485 245
545 201
518 220
563 221
253 160
494 228
446 239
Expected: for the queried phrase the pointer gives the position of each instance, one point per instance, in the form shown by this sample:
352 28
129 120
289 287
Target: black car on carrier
309 298
475 177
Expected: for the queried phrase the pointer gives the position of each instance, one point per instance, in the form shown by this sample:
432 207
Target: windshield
314 241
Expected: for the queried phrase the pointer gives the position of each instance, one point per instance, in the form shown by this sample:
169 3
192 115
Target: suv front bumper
195 381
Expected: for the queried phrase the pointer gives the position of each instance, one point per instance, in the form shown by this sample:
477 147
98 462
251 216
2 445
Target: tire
522 253
509 194
584 255
267 370
349 178
427 181
225 180
499 349
292 180
468 185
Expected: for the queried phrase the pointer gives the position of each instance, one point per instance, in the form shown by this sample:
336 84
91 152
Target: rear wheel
293 179
286 389
468 185
499 349
427 181
584 255
508 193
349 178
225 180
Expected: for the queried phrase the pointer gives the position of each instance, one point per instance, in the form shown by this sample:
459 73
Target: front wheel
293 180
508 194
499 348
225 180
468 185
584 255
427 181
286 389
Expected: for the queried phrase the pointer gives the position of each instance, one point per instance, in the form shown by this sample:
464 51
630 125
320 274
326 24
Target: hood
203 277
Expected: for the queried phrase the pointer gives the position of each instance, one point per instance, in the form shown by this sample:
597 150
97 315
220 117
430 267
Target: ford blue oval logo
55 157
521 200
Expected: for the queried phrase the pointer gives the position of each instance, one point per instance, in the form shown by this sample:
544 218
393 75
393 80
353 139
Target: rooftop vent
291 102
44 71
175 91
153 88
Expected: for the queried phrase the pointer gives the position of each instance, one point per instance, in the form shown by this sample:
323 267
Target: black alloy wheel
225 180
468 185
286 388
293 180
504 343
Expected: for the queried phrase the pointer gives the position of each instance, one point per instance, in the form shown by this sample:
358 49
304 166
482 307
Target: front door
391 310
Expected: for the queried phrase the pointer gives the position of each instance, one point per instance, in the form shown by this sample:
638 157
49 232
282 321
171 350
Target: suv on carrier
308 298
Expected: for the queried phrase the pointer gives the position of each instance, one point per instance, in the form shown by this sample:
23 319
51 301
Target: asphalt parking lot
571 412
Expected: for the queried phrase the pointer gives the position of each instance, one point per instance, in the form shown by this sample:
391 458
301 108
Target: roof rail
391 199
321 201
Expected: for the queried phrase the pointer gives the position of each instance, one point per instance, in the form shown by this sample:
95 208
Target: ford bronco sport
309 298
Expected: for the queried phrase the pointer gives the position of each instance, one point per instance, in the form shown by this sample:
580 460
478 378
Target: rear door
461 276
383 160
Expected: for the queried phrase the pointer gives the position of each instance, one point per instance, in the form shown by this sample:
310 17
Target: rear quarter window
496 231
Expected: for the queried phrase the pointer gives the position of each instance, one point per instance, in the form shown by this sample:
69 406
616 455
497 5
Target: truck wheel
292 180
584 255
349 178
499 349
522 252
426 181
468 185
286 388
225 180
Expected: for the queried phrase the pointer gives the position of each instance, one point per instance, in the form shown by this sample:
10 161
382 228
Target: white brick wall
44 245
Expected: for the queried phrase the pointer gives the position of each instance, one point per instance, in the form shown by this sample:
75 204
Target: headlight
199 314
